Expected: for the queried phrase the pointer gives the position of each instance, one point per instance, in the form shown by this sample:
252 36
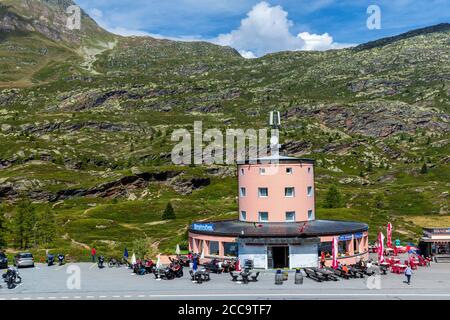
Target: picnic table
329 275
399 268
246 276
200 276
384 266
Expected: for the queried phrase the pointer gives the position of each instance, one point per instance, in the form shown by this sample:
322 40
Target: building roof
235 228
277 158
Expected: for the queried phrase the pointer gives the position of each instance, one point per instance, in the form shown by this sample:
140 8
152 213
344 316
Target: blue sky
259 27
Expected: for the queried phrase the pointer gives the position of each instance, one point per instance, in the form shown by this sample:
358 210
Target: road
50 283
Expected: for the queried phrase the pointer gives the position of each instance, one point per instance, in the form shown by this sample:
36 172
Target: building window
327 248
263 192
310 191
289 192
263 216
243 215
214 248
290 216
310 215
243 192
289 170
309 170
356 243
342 248
242 172
230 249
262 171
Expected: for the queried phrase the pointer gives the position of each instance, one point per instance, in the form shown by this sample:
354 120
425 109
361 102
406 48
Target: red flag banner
335 253
389 235
381 247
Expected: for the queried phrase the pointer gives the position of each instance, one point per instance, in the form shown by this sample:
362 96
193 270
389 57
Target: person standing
408 274
322 260
93 254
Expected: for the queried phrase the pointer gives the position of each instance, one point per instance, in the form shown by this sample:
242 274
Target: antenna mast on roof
275 124
275 120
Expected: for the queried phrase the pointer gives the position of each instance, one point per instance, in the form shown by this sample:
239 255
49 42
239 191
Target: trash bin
285 275
278 277
298 277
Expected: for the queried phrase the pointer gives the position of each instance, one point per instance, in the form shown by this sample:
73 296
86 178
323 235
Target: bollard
278 277
298 277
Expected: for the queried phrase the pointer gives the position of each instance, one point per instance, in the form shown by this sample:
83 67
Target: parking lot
50 283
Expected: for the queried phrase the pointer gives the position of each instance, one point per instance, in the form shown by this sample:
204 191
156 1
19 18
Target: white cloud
266 29
247 54
320 42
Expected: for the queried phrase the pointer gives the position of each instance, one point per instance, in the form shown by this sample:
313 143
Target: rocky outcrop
118 188
377 119
122 187
49 127
187 186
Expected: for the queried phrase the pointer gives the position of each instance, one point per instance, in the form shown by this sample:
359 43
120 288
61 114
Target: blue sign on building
347 237
203 227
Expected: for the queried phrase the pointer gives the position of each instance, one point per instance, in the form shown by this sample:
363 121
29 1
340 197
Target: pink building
277 227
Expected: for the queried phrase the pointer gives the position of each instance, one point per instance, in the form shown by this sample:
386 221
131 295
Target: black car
3 261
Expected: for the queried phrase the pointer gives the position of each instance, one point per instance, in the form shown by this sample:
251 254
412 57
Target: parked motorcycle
101 262
214 266
12 277
184 260
229 266
113 262
169 273
50 260
61 258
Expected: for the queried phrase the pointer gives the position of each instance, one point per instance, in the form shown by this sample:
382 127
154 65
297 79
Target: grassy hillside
86 129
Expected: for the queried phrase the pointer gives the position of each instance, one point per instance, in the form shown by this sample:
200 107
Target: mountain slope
49 18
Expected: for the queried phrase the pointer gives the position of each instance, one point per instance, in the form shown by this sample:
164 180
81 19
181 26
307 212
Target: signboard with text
203 227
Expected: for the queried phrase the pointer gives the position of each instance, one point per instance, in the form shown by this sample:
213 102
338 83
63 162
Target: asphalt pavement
84 281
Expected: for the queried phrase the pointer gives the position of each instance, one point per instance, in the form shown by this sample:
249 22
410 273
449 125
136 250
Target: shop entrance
280 257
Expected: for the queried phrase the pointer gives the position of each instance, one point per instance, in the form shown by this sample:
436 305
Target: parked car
24 260
3 261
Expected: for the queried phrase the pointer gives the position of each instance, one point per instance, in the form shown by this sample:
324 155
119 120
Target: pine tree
23 224
169 213
379 201
2 228
370 166
333 198
424 169
46 227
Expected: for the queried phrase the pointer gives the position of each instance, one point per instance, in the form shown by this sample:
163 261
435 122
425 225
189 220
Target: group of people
368 264
142 267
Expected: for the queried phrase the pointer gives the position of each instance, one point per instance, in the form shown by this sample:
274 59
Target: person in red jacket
93 253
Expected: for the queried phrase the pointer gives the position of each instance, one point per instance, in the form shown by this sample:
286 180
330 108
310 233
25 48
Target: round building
277 227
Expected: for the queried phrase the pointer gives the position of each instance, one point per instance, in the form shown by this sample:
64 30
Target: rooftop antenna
275 124
275 120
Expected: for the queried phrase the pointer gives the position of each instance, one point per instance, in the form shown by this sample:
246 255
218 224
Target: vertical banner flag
381 247
389 235
335 253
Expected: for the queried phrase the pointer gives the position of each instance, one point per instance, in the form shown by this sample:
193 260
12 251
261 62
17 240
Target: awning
278 241
436 241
